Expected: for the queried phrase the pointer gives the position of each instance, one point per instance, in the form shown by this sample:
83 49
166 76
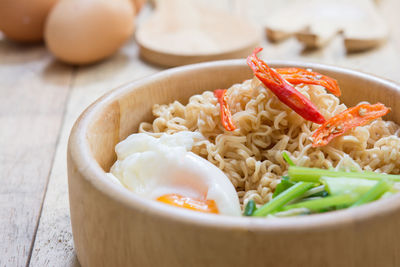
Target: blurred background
57 57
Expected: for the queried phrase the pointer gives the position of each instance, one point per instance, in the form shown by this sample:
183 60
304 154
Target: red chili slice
298 76
226 116
283 90
348 119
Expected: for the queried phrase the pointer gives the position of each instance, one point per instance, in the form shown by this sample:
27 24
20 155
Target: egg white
152 167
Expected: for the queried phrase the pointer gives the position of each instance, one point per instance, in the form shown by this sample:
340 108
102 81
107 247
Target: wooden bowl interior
131 105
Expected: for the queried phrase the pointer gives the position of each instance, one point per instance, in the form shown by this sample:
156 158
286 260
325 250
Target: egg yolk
207 206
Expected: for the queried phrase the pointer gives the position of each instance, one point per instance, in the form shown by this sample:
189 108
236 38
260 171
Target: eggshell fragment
86 31
24 21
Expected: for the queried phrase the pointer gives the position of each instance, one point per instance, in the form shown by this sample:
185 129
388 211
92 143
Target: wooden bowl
114 227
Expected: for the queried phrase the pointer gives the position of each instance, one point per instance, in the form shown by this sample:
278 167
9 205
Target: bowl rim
91 171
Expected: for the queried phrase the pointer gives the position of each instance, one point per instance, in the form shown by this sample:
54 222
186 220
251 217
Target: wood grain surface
181 32
315 23
54 245
33 93
41 98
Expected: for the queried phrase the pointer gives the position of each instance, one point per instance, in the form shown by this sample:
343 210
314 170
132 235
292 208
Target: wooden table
41 98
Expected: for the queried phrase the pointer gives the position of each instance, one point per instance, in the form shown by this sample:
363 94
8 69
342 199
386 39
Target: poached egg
164 169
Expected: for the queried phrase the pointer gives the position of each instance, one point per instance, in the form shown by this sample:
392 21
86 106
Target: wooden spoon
184 31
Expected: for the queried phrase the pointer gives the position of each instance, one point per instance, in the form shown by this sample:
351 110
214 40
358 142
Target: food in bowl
286 145
164 169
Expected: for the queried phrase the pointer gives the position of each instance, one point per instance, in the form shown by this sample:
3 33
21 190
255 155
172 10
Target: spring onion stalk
321 194
313 175
292 212
276 203
341 185
283 186
324 203
250 208
311 192
388 194
309 198
288 159
374 193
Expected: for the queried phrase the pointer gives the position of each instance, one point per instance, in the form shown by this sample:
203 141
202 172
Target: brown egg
23 20
86 31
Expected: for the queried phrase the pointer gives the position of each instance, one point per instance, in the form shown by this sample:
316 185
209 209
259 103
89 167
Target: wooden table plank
390 10
33 94
383 61
53 244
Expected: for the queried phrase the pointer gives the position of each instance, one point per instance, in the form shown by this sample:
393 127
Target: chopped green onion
293 192
388 194
314 174
320 194
314 190
283 186
309 193
305 199
288 159
341 185
292 212
374 193
250 208
322 204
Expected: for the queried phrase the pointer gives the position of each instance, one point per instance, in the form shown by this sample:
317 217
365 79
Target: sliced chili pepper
283 90
298 76
348 119
226 116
